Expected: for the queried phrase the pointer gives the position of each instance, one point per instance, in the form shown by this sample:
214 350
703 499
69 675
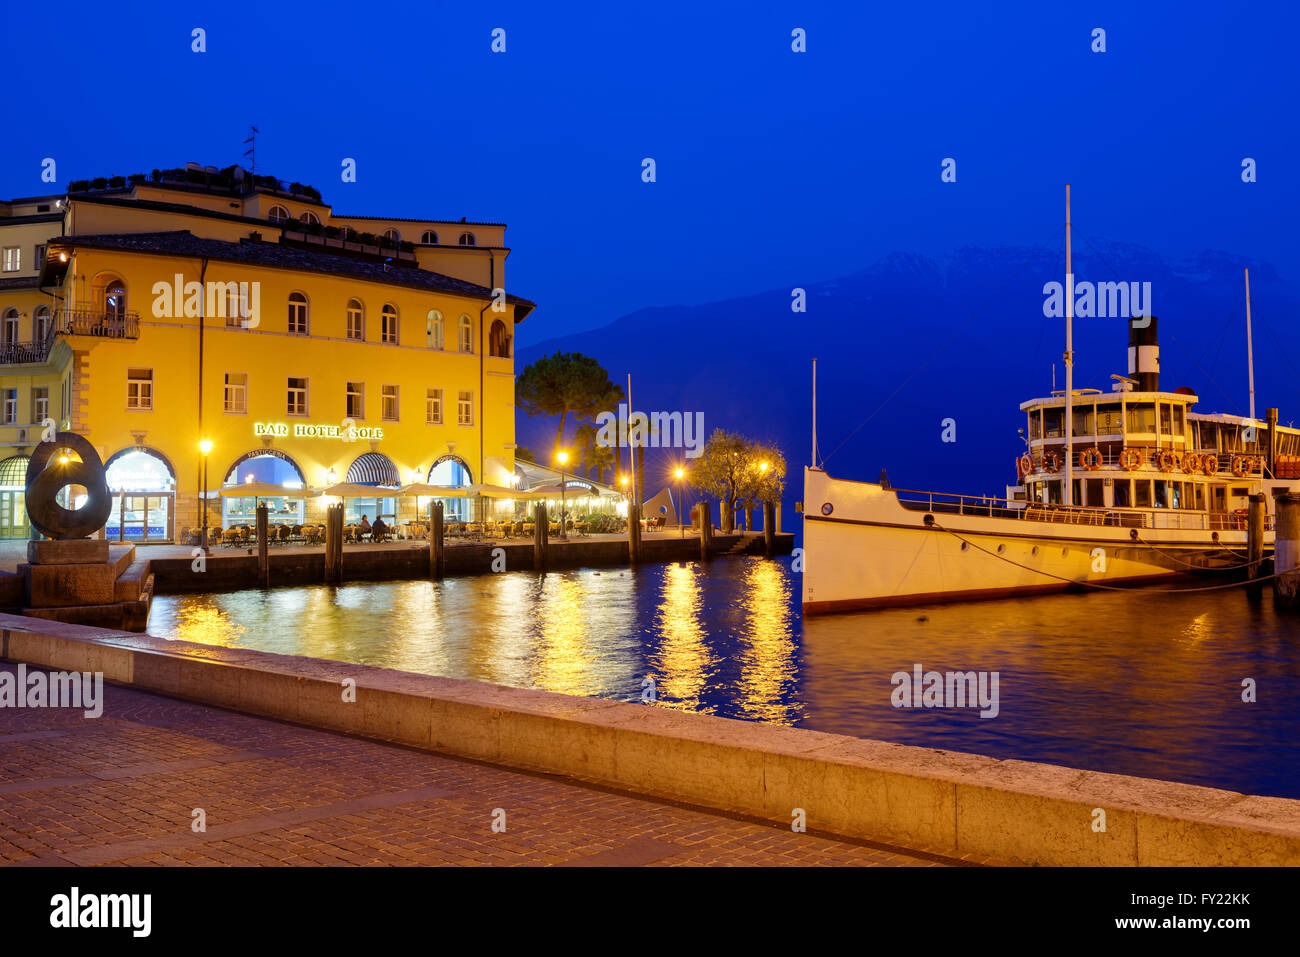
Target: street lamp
680 473
562 458
205 447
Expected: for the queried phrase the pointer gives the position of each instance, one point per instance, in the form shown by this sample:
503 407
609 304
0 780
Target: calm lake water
1134 683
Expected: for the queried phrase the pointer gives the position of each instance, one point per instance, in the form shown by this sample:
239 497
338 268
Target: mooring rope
1092 584
1176 558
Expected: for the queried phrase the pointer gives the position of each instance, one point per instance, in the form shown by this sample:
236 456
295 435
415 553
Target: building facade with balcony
239 311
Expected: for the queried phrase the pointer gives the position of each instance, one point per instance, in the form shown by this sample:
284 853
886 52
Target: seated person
364 527
379 530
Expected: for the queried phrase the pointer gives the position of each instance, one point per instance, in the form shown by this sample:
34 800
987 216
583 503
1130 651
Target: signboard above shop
307 430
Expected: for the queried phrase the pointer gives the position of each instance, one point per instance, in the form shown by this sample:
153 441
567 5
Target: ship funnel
1144 353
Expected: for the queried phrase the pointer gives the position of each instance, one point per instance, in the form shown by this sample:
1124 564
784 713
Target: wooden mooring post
633 533
1286 550
541 537
333 544
706 528
263 550
769 529
437 553
1255 516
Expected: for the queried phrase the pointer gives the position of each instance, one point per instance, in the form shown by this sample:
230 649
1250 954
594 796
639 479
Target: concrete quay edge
940 801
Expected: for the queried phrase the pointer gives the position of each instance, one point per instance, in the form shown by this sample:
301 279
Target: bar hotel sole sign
305 430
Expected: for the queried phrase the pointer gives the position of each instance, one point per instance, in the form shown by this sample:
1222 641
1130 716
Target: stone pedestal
85 580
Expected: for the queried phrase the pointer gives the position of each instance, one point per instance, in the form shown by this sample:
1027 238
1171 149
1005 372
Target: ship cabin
1148 452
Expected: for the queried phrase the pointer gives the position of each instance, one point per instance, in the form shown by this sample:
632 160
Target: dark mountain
909 341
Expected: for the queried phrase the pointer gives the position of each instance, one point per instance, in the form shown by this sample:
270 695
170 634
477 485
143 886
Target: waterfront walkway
123 789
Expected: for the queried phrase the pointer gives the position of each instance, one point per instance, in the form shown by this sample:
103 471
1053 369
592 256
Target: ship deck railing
987 506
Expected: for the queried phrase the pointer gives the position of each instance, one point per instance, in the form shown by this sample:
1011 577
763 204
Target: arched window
466 335
356 319
277 214
41 323
297 313
433 329
115 300
389 331
10 327
309 217
467 239
429 238
498 341
394 235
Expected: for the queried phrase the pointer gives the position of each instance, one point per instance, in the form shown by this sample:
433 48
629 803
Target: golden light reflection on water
769 662
683 662
562 660
208 624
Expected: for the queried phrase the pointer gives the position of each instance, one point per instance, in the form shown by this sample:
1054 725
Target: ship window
1083 421
1179 428
1142 493
1161 498
1054 493
1035 424
1142 417
1052 422
1240 492
1200 497
1109 420
1096 496
1166 418
1123 493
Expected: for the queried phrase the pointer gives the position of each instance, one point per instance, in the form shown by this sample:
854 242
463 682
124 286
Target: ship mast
814 414
1250 352
1067 493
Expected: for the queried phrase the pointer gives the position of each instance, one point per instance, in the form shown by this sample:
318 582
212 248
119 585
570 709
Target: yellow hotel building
309 348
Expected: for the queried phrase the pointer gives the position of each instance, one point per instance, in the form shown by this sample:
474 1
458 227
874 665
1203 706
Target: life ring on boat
1090 459
1051 462
1240 465
1191 463
1024 465
1131 459
1166 460
1210 464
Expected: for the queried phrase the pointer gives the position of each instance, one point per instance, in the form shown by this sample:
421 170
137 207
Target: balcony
95 323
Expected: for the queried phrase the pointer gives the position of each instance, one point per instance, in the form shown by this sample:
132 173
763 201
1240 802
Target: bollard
769 529
1286 549
263 558
541 537
338 542
706 529
1255 543
437 557
633 533
331 533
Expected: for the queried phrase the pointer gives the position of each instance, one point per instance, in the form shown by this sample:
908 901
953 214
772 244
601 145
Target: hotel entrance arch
273 467
13 498
143 486
451 471
377 469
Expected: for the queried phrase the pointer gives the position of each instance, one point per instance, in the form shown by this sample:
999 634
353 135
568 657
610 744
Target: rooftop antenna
250 152
1067 493
1250 351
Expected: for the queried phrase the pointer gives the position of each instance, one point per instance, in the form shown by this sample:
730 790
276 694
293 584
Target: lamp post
562 458
205 447
680 473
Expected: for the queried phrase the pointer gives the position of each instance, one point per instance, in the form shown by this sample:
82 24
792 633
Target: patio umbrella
352 490
495 491
432 491
265 490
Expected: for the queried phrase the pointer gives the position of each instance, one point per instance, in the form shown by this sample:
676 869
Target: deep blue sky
774 168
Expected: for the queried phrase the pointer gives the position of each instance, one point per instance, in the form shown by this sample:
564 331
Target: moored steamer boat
1138 488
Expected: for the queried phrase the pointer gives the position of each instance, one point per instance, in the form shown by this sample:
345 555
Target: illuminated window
13 258
466 335
433 329
41 324
465 408
139 389
356 320
498 341
297 313
236 393
433 407
356 403
388 404
40 404
10 406
389 323
296 403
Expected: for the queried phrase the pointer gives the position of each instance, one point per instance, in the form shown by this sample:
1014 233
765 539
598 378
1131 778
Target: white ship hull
863 549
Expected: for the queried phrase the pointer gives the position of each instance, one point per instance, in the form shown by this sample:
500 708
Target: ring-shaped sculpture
45 479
